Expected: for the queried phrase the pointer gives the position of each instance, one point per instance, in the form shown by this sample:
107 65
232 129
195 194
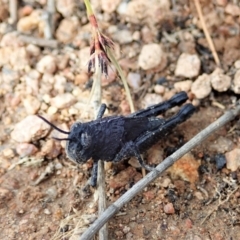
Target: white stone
151 56
220 82
30 129
201 87
188 65
236 82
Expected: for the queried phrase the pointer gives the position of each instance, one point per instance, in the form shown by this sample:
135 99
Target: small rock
222 2
51 149
19 58
31 22
81 78
201 87
26 149
84 58
11 39
30 129
236 82
151 56
109 6
188 223
237 64
5 194
151 99
221 145
8 153
149 195
33 50
134 80
220 160
185 168
233 159
159 89
67 30
123 178
220 82
166 182
47 211
188 65
169 209
183 85
60 84
63 100
232 9
47 65
122 36
199 195
66 8
134 162
31 104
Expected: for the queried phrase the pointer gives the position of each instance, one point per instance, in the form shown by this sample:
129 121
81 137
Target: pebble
31 104
5 194
134 80
84 55
63 100
232 9
122 36
220 160
233 159
109 6
66 8
201 87
220 82
51 149
30 129
19 59
188 65
29 23
151 56
11 39
122 178
47 64
33 50
8 153
237 64
185 168
26 149
67 30
183 85
221 145
236 82
151 99
159 89
168 208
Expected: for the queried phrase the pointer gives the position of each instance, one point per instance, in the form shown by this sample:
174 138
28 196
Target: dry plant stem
51 10
97 96
102 203
139 186
13 6
38 41
119 69
205 30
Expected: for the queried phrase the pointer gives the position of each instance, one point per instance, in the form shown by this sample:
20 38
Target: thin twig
13 7
205 30
97 96
51 10
38 41
139 186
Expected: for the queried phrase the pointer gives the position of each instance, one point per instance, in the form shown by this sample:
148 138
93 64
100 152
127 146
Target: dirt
41 194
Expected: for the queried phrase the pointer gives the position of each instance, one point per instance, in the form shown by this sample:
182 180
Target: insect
116 138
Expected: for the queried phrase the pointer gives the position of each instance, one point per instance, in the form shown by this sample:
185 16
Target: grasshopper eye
86 140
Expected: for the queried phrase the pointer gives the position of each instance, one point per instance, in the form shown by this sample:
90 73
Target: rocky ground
162 50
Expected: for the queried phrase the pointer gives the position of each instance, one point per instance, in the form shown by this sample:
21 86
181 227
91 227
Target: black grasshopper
116 138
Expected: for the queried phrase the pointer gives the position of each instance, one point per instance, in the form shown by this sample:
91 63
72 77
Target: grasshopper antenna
55 127
62 139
